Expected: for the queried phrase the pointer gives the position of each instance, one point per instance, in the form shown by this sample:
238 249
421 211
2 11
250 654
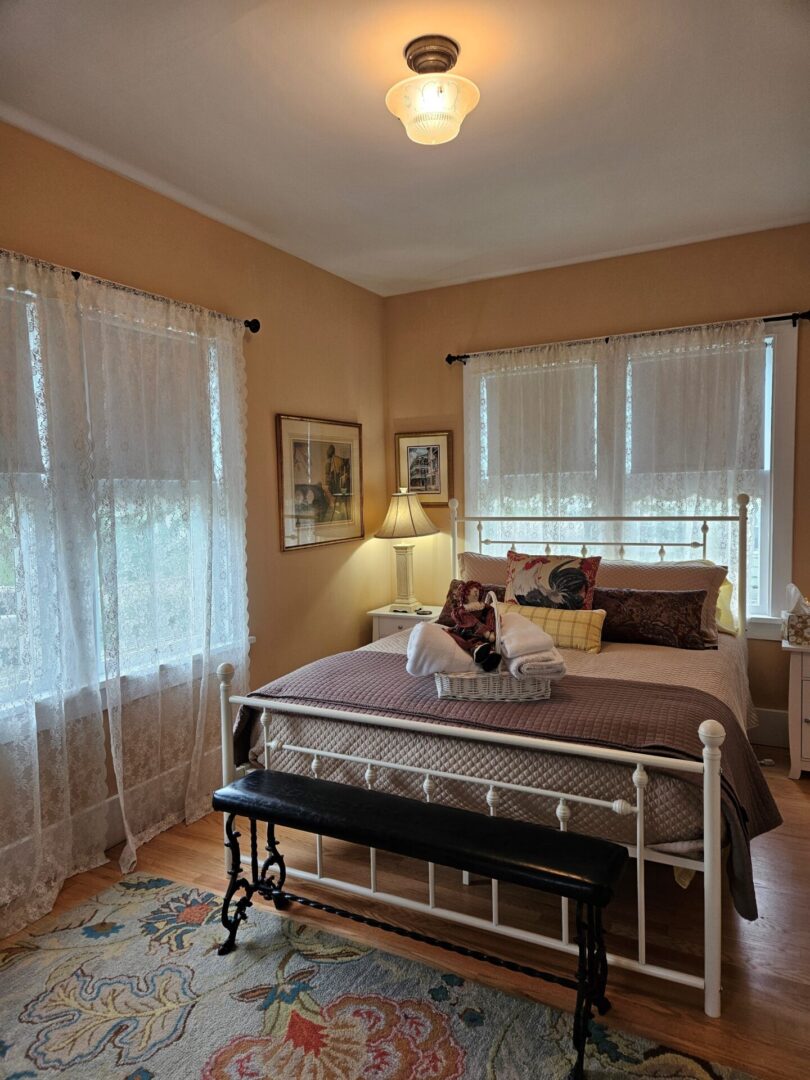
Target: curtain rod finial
253 325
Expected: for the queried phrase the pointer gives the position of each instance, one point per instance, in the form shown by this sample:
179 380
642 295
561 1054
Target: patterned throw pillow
551 581
645 617
453 597
568 629
669 577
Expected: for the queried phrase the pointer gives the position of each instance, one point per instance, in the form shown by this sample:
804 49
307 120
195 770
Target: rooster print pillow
552 581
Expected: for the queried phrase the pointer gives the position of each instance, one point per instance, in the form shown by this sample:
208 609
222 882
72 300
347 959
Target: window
667 424
122 564
121 543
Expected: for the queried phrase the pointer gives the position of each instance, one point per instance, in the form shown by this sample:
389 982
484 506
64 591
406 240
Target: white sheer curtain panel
122 569
673 422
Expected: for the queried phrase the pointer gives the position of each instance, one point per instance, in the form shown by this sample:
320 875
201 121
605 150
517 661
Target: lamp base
405 600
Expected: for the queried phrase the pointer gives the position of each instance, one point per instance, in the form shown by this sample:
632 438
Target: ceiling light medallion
432 104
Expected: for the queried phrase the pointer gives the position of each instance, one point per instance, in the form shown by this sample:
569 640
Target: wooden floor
765 1028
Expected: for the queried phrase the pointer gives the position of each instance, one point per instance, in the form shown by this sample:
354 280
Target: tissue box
796 628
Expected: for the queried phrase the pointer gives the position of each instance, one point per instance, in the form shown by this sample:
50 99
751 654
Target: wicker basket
493 685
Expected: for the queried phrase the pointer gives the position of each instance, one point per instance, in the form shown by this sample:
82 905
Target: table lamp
405 518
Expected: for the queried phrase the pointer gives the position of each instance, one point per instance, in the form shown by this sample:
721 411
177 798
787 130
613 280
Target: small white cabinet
799 708
385 621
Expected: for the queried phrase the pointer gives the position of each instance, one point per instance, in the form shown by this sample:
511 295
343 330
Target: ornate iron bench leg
586 984
237 881
274 888
601 967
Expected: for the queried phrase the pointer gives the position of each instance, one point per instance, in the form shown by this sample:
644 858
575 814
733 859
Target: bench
581 868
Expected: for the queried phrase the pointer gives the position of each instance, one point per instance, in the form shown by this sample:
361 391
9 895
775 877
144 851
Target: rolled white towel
545 665
431 649
520 636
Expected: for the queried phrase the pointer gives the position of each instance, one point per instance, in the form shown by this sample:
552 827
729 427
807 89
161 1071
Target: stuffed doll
474 629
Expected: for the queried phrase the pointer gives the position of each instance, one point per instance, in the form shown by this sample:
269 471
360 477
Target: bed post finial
225 673
712 734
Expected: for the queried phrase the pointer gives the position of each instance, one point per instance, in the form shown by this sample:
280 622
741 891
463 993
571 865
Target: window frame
785 339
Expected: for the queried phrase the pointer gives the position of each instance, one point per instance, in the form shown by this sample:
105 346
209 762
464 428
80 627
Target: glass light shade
405 517
432 107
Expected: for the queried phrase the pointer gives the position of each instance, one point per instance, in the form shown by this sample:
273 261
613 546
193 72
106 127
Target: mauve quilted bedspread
617 712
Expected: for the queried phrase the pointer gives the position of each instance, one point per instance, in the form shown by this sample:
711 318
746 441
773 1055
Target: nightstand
385 621
799 708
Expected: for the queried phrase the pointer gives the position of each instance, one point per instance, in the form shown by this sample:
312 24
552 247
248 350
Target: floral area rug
130 986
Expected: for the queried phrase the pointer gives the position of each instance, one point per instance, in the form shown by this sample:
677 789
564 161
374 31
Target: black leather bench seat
582 868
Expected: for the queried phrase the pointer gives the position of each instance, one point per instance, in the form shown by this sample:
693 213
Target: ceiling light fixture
432 104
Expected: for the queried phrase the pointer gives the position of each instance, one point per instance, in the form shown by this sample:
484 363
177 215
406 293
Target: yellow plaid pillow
569 629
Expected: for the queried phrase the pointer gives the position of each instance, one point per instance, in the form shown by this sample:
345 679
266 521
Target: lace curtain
122 569
663 423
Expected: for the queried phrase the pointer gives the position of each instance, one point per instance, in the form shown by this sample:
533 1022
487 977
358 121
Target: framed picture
425 465
320 481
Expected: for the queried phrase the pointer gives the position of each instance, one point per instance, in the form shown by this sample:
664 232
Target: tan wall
755 274
319 353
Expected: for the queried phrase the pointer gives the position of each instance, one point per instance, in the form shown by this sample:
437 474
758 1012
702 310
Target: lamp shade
405 517
432 107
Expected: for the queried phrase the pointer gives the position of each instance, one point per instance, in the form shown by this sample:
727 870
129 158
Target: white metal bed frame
711 734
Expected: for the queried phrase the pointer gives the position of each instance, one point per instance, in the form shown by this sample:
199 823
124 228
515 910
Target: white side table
386 621
799 708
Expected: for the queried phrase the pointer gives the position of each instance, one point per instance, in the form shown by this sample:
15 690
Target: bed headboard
740 519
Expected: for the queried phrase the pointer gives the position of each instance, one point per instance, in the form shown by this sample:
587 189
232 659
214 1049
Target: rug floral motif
130 986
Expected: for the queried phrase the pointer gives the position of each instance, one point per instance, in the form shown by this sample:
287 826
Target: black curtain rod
253 325
795 317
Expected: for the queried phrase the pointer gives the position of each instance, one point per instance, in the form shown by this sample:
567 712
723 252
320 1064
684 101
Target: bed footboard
489 792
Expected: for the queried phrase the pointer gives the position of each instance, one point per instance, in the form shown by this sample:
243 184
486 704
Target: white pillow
475 567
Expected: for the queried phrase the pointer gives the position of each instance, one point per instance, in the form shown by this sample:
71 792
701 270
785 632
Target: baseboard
772 729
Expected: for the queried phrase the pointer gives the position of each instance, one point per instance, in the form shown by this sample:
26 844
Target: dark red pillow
457 587
647 617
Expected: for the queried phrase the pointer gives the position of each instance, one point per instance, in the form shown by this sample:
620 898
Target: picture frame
320 481
425 465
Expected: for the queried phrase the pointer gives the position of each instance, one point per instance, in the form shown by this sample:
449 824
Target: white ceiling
603 127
